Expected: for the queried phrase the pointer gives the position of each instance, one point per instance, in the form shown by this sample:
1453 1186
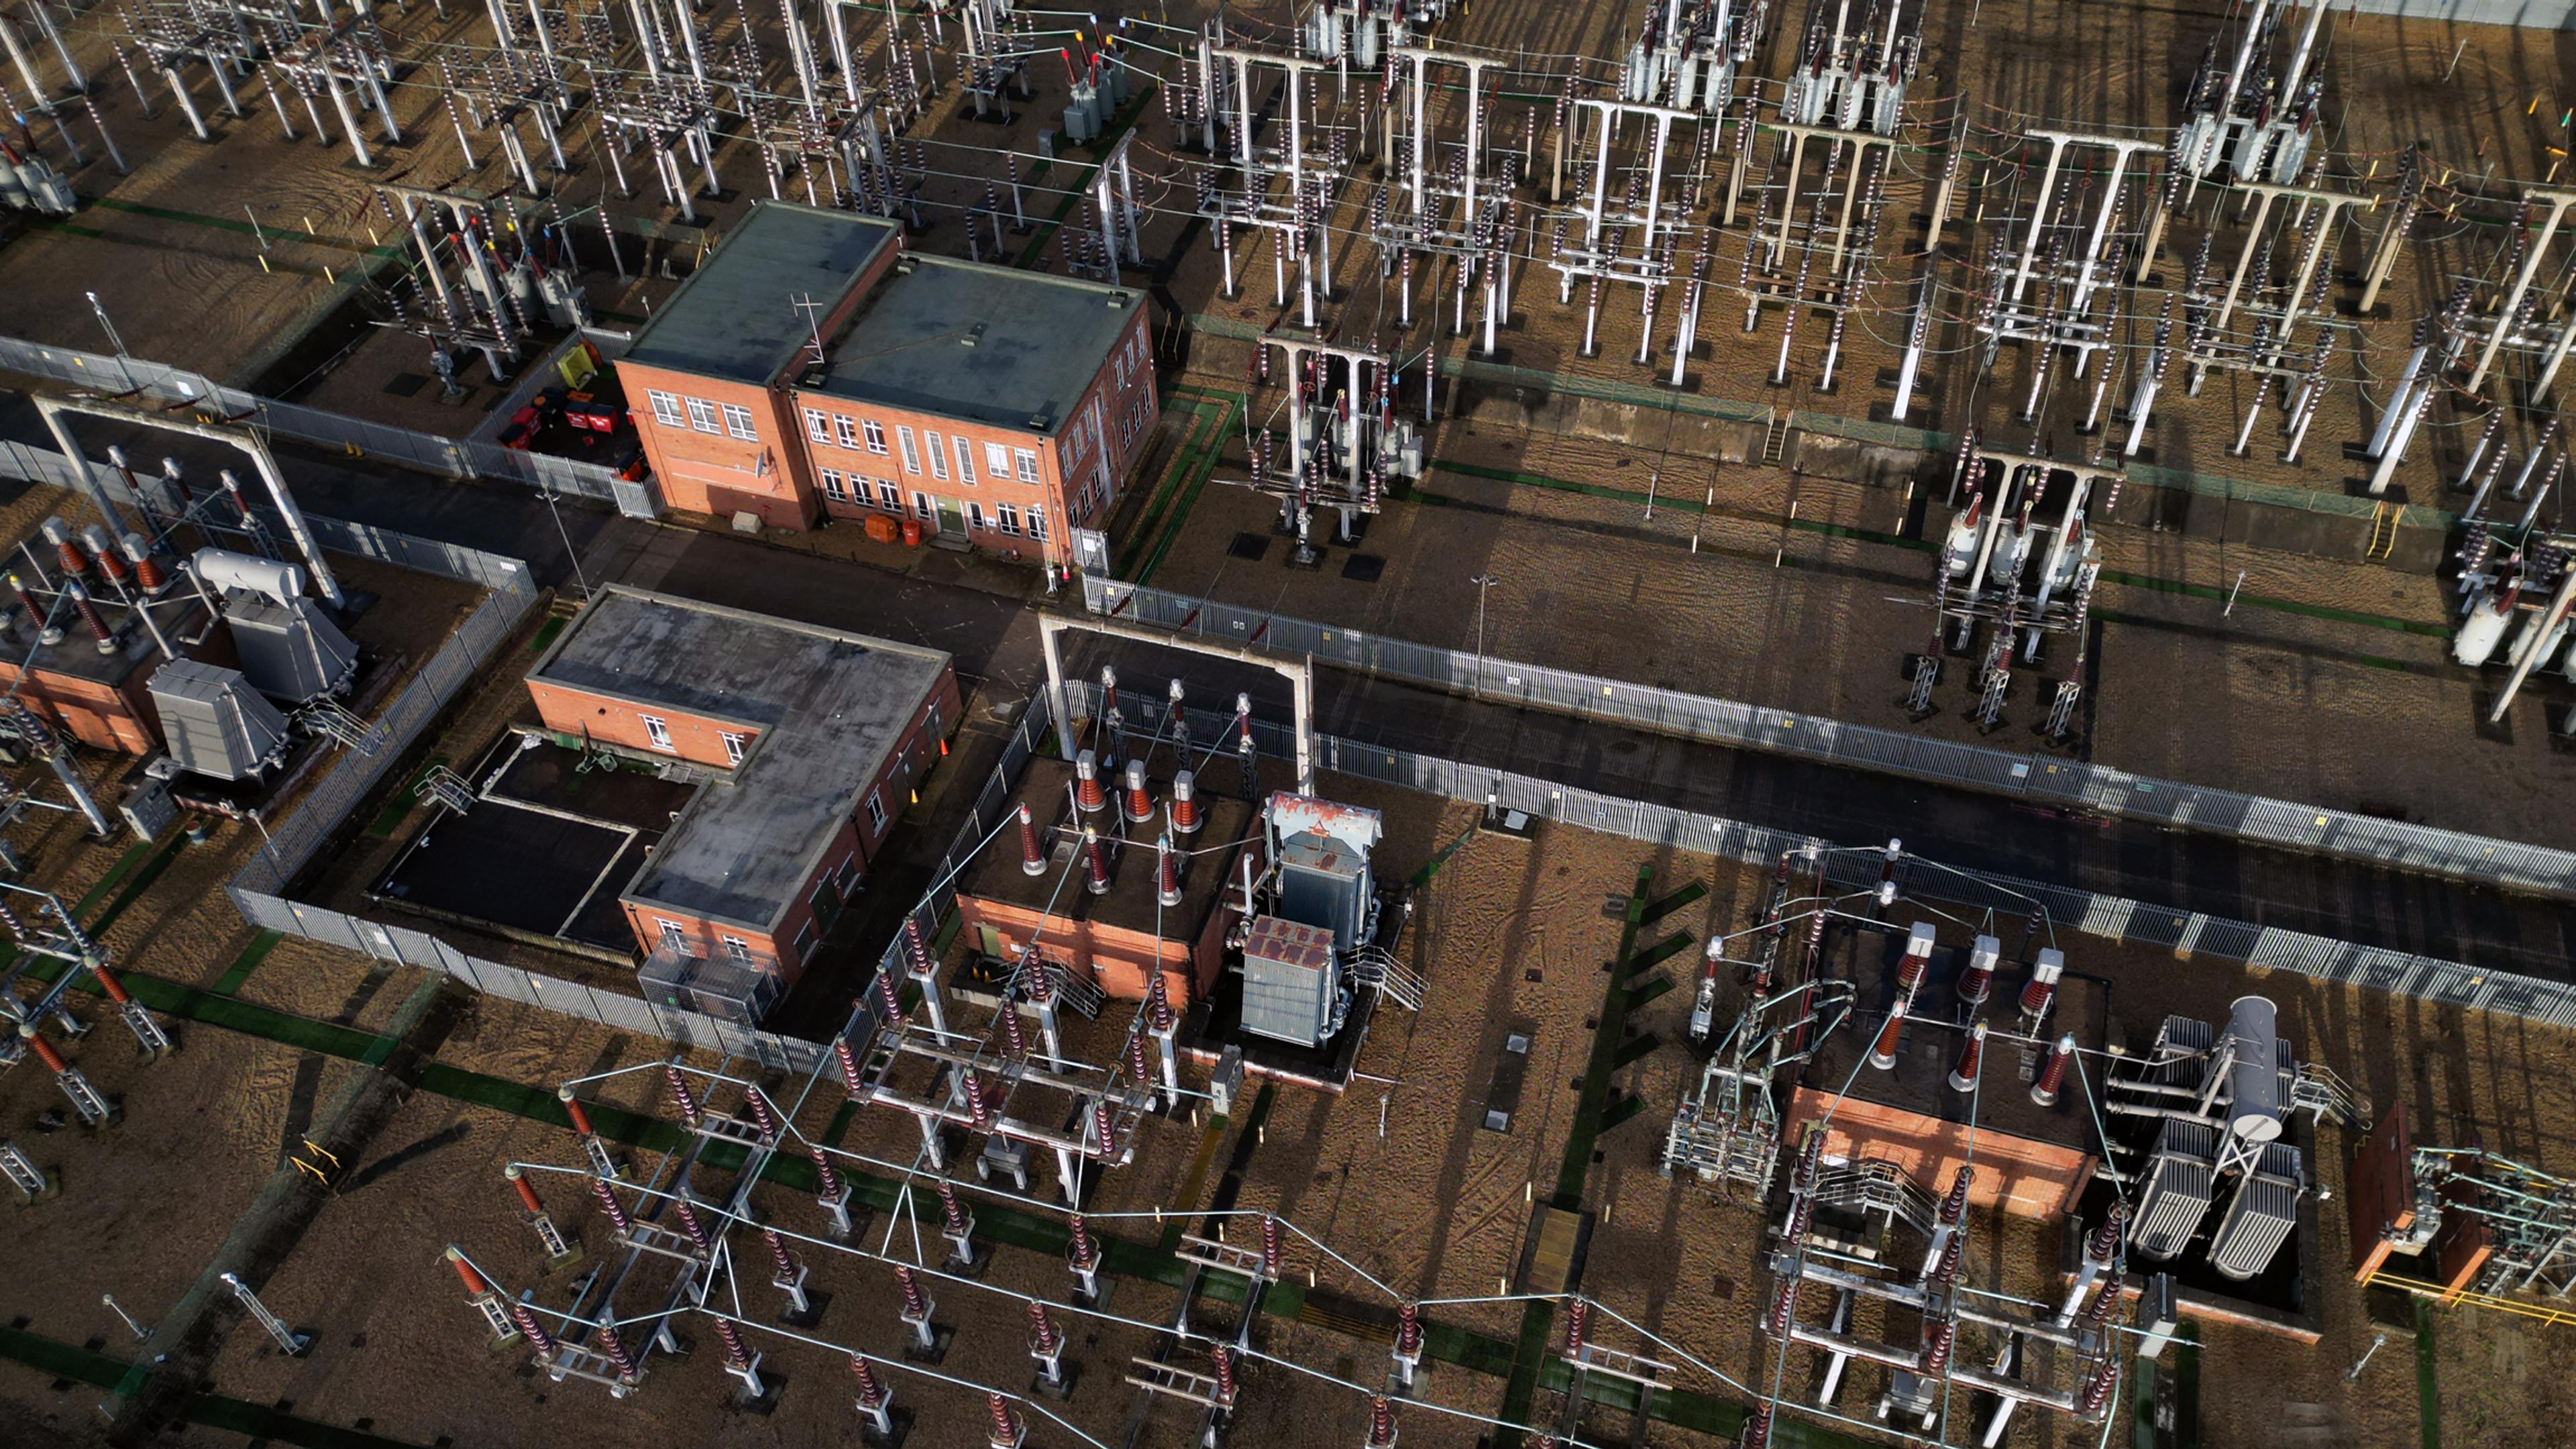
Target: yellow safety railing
2551 1313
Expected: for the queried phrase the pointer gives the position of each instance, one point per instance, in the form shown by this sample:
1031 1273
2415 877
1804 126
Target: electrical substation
1365 722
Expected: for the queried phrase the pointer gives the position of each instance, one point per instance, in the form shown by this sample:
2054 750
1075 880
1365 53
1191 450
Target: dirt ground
1435 1207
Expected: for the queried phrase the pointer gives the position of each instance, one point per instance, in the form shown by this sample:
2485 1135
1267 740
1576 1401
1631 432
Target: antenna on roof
813 311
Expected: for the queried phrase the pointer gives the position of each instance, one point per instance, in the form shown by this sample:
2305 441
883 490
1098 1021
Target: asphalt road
994 638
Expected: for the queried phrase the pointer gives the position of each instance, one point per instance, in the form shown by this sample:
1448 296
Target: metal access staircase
1377 966
333 720
448 788
1775 438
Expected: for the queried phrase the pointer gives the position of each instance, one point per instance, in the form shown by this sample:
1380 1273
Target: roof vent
1117 300
972 336
1039 421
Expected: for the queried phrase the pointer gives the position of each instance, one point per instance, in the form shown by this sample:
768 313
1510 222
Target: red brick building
812 741
984 403
1117 937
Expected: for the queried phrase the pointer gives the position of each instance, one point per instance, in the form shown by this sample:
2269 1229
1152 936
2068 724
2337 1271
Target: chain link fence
453 457
2252 818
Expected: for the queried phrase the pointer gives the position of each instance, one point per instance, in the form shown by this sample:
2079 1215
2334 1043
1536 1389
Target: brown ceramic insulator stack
681 1096
978 1111
96 622
527 1190
763 1115
1006 1425
102 551
1882 1052
619 1354
1270 1248
1095 857
1090 793
1082 1252
1381 1434
149 576
827 1181
691 1224
609 1204
731 1337
476 1285
1185 803
779 1258
908 1284
1032 858
538 1339
1963 1077
1140 795
849 1063
2052 1076
952 1213
1042 1334
1936 1348
872 1394
1168 862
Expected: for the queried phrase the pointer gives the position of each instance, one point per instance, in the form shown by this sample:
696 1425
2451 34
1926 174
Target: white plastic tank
2254 1081
2481 632
224 569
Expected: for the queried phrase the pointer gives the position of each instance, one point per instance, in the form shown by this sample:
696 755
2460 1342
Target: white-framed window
911 452
739 949
965 462
889 498
702 416
922 507
997 460
938 455
734 742
818 425
675 937
876 811
656 729
1037 523
1007 519
876 435
846 431
1028 464
666 409
835 487
738 422
804 940
975 515
841 873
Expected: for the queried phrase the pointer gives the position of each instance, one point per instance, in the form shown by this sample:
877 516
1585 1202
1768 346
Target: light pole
546 489
1484 584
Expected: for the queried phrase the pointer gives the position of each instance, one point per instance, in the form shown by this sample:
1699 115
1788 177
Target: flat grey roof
732 319
829 706
1042 340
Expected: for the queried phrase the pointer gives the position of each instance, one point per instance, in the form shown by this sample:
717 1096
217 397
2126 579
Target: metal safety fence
453 457
2129 922
258 890
2251 818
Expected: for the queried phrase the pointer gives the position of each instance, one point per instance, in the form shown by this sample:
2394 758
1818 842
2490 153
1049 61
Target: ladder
2383 533
1775 438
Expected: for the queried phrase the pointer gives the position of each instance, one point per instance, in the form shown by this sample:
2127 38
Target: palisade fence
455 457
2252 818
2447 983
257 890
